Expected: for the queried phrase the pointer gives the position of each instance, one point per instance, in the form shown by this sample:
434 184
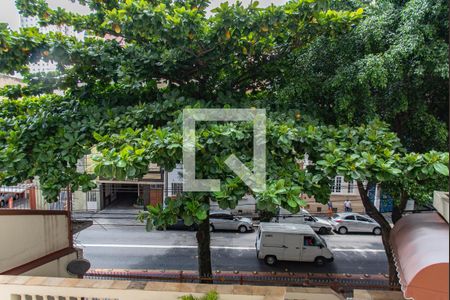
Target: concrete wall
55 268
440 202
174 177
25 238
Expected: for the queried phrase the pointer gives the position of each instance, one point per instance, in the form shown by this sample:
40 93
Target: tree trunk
204 251
397 210
385 231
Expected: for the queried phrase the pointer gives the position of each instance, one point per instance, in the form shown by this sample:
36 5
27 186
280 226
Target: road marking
356 250
212 247
162 246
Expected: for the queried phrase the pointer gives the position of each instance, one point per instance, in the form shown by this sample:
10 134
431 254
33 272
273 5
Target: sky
9 14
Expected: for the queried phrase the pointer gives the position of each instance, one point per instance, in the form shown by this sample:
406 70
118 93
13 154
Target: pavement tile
103 284
19 280
120 284
86 283
53 281
6 278
36 281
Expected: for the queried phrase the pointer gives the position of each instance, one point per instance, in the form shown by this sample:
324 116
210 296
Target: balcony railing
52 288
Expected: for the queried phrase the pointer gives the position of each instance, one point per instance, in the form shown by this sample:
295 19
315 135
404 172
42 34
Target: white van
319 225
292 242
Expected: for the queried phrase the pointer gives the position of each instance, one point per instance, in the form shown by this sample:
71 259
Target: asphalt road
131 247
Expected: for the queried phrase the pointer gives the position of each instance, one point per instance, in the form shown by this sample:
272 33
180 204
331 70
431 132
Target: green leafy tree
393 65
122 87
373 155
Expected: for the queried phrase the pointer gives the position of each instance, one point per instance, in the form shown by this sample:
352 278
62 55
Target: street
131 247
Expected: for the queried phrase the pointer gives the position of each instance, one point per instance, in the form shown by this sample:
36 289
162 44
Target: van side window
309 241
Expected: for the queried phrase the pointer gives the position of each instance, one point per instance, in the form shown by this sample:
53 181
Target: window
336 184
229 217
177 188
221 216
310 241
216 216
361 219
91 196
350 187
350 218
339 186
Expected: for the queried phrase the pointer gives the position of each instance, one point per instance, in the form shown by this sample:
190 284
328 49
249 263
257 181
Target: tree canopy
393 65
122 89
139 64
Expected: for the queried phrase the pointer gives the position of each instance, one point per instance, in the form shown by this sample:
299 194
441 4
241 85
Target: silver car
224 220
353 222
320 225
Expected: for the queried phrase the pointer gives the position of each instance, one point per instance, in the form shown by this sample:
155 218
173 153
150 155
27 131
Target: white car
225 220
353 222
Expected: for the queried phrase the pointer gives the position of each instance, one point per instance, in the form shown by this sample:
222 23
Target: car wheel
323 230
211 228
377 231
342 230
320 261
270 260
242 229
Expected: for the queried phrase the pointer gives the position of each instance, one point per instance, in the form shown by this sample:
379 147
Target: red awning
420 243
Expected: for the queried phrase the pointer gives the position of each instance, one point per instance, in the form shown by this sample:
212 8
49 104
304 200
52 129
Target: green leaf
131 171
188 220
97 136
140 151
201 214
441 168
121 164
292 203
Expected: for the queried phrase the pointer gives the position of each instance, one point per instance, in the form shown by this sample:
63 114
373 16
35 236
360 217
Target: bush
265 216
212 295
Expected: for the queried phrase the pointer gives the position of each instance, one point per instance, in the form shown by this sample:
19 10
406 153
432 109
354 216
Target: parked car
291 242
354 222
225 220
180 225
247 206
320 225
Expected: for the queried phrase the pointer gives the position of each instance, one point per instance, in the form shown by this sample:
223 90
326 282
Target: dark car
179 225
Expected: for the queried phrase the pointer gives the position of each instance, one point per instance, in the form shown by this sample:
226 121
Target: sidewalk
121 217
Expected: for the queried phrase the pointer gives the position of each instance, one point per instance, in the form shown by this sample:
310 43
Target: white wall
25 238
175 176
55 268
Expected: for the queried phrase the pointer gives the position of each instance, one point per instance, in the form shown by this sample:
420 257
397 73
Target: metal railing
341 283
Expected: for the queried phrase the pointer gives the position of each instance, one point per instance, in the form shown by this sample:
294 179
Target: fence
341 283
29 196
